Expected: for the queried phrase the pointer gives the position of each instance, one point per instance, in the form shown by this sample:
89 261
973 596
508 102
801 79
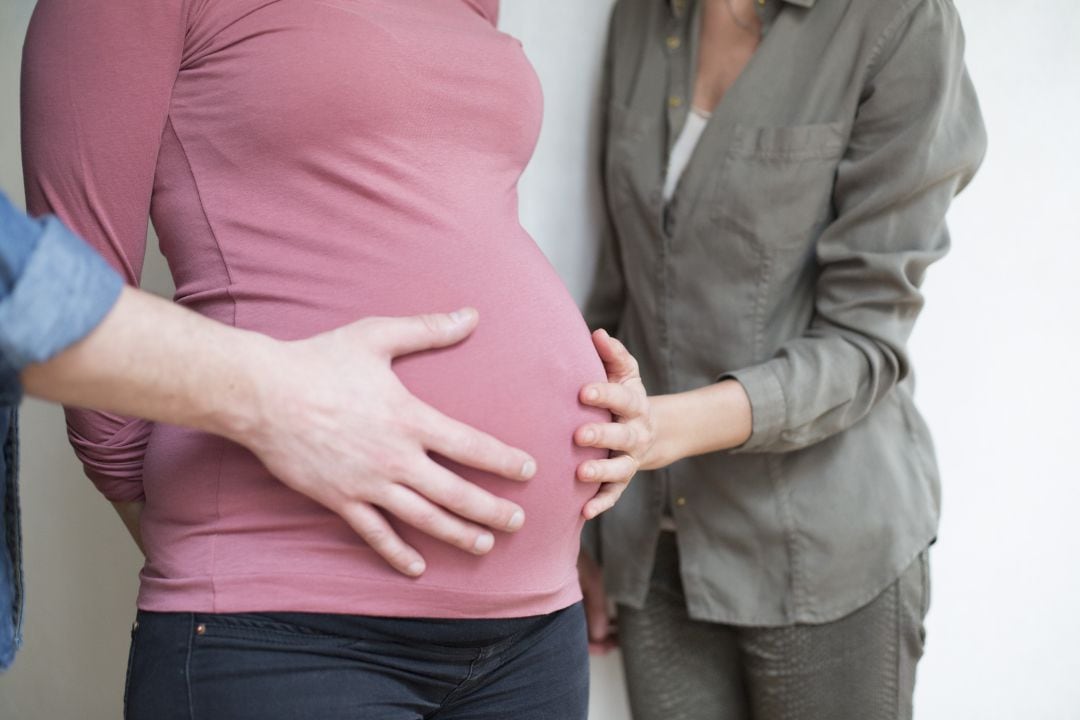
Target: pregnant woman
306 163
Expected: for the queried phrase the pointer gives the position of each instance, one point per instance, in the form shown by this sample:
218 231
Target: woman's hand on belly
339 426
630 437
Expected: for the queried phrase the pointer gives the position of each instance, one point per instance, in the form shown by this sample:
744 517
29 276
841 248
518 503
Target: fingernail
516 520
460 316
528 468
484 543
589 436
589 471
416 568
592 394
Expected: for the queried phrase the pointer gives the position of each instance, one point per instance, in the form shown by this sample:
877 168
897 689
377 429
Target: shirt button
674 101
673 42
680 501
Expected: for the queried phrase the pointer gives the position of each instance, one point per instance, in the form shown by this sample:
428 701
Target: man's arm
326 415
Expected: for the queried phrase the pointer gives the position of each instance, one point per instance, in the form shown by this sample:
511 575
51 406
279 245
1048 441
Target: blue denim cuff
63 292
18 238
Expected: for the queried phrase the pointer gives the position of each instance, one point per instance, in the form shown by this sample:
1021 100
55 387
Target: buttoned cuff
767 406
62 293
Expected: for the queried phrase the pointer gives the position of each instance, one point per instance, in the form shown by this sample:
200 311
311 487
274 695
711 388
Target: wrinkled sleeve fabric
18 238
53 291
96 83
917 139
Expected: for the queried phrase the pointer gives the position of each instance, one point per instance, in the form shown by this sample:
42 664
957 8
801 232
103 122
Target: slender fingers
374 529
617 469
618 362
604 500
597 621
596 612
469 446
613 436
426 516
600 627
460 496
622 400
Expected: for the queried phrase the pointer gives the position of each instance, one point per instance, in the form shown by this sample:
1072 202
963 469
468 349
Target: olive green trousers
860 667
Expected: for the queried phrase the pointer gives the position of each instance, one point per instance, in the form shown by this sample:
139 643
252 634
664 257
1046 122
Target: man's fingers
374 529
618 362
403 335
429 518
626 401
603 500
469 446
613 436
460 496
617 469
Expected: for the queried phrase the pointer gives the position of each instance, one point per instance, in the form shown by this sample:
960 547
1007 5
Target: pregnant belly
214 511
518 378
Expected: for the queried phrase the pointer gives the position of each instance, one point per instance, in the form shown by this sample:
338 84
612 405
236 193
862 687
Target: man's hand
631 435
338 426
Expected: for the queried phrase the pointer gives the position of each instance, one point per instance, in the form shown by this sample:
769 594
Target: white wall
995 351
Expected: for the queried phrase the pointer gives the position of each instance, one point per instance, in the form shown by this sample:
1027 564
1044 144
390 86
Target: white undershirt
684 149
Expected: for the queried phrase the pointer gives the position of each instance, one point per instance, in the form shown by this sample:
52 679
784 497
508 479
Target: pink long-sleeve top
307 163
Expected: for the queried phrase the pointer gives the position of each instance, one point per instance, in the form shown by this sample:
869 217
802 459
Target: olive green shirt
790 259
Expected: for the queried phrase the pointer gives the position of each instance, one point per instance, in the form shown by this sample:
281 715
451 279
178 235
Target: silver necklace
748 27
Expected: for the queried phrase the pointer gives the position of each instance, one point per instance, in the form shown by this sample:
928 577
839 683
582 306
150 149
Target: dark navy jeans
286 666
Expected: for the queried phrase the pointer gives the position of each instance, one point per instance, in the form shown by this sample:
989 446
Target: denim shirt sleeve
53 291
17 239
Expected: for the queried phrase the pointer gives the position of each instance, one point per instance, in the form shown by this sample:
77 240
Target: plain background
995 351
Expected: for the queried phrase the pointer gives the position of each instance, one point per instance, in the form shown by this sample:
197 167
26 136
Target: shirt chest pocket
627 166
776 183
